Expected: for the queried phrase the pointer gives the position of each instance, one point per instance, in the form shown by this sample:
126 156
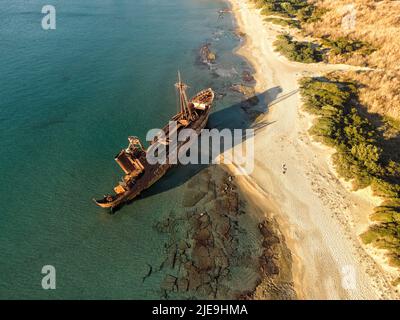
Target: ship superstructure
139 173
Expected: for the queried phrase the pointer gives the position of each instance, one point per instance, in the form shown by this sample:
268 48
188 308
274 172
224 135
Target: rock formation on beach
215 249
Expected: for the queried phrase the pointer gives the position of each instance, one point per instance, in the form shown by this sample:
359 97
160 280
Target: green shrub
305 52
345 45
302 10
360 156
385 189
283 22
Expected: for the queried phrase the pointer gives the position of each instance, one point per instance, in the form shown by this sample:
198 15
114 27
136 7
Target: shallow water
68 100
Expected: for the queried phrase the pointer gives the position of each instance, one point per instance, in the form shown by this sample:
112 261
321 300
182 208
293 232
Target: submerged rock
245 90
183 245
203 235
201 258
205 248
247 76
190 199
206 55
183 284
248 92
169 283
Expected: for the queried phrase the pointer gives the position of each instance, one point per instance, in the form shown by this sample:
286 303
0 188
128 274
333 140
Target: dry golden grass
377 23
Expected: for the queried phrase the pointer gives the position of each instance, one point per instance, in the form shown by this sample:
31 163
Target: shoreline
318 216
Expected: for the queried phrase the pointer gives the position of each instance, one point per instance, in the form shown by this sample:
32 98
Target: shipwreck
140 174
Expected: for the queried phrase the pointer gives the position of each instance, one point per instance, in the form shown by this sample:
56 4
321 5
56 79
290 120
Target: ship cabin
131 162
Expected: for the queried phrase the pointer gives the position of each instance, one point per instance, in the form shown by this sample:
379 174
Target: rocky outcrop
203 240
248 77
275 265
245 90
248 92
208 254
206 55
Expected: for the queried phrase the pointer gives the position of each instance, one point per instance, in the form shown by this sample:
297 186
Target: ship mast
183 100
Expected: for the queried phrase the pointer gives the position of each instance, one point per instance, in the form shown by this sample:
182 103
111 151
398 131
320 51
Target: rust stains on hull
141 175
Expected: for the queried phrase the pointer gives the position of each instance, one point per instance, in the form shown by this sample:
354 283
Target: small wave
217 35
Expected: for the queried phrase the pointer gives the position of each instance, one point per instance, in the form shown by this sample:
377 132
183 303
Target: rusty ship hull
151 173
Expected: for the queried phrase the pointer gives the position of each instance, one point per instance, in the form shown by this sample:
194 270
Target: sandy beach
318 215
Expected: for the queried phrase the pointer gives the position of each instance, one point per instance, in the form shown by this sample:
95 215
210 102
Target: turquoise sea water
68 100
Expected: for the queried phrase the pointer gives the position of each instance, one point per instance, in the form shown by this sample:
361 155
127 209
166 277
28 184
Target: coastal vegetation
284 22
362 154
372 43
358 114
345 45
299 51
301 10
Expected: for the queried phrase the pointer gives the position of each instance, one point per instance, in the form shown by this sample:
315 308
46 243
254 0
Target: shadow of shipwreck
236 116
